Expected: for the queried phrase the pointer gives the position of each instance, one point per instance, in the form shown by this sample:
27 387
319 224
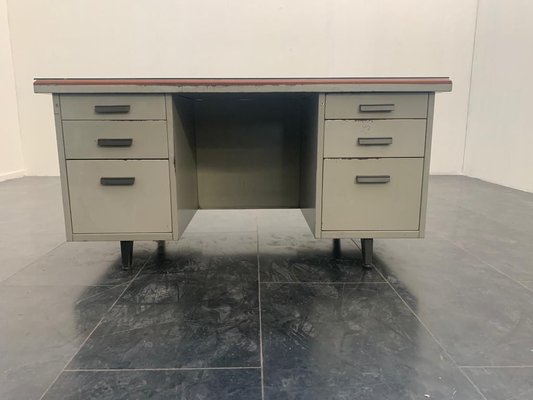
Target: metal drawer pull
114 142
117 181
112 109
372 179
376 108
374 141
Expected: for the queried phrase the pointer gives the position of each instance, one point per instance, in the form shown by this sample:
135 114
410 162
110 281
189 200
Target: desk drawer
119 196
115 139
113 106
376 106
382 195
375 138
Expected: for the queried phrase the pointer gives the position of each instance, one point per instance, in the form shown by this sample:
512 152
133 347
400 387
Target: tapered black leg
336 248
126 250
160 247
367 246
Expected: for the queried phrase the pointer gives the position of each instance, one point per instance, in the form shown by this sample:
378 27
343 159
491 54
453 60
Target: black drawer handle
112 109
374 141
117 181
372 179
114 142
376 108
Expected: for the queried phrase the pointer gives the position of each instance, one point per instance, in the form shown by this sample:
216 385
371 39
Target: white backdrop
11 162
231 38
500 132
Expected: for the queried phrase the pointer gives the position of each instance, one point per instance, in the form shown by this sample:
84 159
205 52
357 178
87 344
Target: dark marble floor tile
498 203
501 245
480 316
207 254
503 383
161 336
295 257
351 341
41 328
158 385
208 318
84 263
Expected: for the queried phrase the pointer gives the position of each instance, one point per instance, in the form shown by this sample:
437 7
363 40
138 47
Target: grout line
160 369
494 366
496 269
260 315
433 336
320 283
94 329
4 281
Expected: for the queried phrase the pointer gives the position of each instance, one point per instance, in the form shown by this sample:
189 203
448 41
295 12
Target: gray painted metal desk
138 157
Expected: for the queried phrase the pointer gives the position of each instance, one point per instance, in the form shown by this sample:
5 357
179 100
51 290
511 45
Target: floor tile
528 284
207 255
31 221
286 220
500 204
500 245
296 257
41 328
168 321
350 341
223 221
480 316
503 383
83 263
158 385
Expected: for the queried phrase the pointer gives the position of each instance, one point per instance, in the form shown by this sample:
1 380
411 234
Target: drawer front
113 107
376 106
115 139
133 197
381 195
375 138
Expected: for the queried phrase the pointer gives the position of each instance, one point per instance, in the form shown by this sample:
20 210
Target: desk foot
336 248
161 247
126 250
367 247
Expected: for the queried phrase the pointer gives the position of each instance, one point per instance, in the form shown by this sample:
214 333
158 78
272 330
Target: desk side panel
311 163
427 158
182 147
62 166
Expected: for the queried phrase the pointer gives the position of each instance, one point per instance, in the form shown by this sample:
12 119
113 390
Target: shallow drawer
376 106
113 106
375 138
115 139
119 196
360 195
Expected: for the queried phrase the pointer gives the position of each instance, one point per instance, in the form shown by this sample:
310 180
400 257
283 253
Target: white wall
500 129
11 162
252 38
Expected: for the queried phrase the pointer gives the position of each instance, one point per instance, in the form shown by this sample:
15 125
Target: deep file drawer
115 196
376 106
113 106
115 139
366 195
375 138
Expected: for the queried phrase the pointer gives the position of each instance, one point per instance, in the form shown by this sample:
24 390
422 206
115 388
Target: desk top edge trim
57 85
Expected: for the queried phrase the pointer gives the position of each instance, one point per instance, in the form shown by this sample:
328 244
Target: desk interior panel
312 119
248 150
185 161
